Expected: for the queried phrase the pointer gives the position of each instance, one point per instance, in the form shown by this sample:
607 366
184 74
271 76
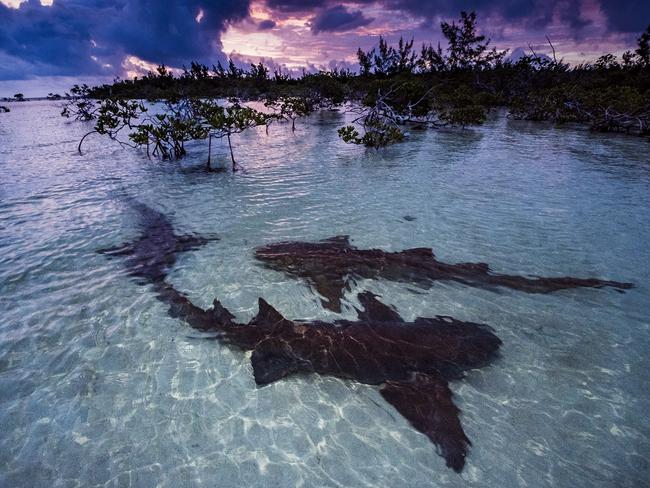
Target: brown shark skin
330 264
412 362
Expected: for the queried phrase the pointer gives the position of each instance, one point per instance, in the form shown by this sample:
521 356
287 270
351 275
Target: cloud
627 15
95 37
92 37
535 14
296 5
266 24
338 19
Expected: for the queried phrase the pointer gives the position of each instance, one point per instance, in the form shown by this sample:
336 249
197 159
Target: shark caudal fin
273 359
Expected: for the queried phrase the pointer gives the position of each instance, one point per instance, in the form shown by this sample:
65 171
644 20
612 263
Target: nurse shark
411 363
330 265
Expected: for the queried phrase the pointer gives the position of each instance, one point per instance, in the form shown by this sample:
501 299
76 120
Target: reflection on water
99 386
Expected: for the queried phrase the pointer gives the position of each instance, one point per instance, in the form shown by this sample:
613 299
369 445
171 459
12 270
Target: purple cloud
92 37
338 19
266 25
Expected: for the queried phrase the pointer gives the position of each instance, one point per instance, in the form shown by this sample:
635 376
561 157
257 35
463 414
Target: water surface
100 387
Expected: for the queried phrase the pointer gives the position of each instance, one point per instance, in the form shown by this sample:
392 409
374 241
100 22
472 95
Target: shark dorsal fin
375 311
221 314
267 315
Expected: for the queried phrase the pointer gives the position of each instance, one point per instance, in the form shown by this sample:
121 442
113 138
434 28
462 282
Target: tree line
398 88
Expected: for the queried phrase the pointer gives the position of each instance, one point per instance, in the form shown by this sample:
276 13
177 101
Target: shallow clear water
100 387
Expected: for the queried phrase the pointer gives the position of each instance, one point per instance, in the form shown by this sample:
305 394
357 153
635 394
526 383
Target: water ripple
100 387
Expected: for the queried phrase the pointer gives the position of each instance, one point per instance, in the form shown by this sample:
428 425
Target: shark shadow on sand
150 257
329 266
411 362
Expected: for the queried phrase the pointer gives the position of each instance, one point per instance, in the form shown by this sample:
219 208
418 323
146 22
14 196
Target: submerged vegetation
397 89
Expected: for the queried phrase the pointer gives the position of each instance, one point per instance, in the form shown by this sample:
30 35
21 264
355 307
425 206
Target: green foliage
377 133
365 61
467 49
182 119
614 109
165 135
643 51
462 107
431 59
291 108
350 134
232 119
80 105
324 89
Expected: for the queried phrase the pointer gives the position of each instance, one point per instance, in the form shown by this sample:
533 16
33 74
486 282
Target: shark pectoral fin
426 402
121 250
273 359
374 310
331 287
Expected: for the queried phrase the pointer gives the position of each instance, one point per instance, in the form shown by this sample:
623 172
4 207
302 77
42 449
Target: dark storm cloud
534 14
51 40
74 37
622 15
627 15
296 5
82 37
266 24
338 19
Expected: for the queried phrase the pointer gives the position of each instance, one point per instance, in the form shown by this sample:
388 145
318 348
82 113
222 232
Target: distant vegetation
398 88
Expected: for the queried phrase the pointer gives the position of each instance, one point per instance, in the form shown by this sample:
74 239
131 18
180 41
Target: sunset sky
107 38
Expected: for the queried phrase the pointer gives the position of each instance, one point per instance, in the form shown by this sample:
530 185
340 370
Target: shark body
329 265
411 362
